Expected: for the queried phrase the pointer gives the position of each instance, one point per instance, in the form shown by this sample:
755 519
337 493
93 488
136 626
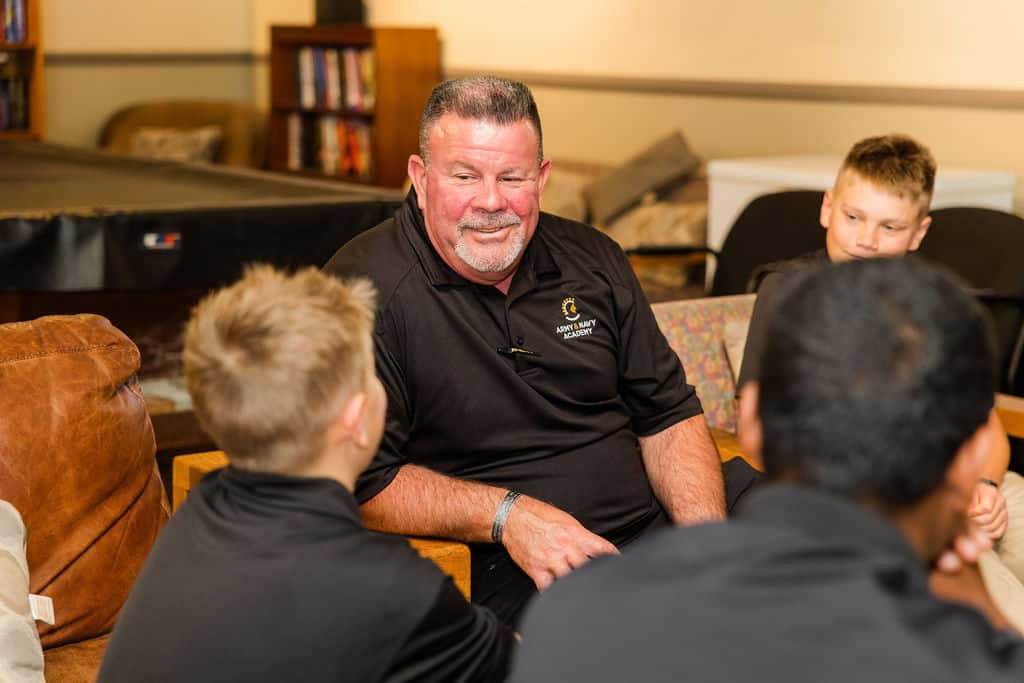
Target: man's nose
490 198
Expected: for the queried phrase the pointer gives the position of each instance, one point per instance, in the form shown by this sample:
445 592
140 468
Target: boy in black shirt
266 573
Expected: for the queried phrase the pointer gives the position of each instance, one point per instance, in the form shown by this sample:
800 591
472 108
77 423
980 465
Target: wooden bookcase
24 59
407 67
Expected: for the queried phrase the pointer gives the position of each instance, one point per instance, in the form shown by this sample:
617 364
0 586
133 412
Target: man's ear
348 424
968 463
417 169
826 209
922 230
545 171
751 435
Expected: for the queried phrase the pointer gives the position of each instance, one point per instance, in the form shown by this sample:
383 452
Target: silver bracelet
501 516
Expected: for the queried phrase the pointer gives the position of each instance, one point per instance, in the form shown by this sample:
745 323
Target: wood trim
1011 413
152 58
974 98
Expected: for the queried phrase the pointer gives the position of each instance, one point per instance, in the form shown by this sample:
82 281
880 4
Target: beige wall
934 44
914 43
910 42
182 26
104 54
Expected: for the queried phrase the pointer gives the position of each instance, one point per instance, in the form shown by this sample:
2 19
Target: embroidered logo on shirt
569 309
575 327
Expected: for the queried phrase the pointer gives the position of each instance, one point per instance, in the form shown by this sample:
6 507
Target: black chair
985 247
772 227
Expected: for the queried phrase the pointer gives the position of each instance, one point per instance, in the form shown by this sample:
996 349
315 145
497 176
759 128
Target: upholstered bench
708 334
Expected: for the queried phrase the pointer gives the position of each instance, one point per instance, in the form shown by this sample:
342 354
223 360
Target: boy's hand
988 510
966 549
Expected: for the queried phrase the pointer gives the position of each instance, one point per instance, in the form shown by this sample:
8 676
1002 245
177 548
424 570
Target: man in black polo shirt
534 406
871 417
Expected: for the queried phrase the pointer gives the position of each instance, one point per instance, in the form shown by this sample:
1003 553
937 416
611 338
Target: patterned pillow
175 144
700 331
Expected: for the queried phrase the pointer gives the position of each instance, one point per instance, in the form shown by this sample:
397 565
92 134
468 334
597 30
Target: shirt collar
537 260
317 496
830 518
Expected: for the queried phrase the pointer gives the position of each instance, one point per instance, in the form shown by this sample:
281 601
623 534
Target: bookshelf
346 99
22 94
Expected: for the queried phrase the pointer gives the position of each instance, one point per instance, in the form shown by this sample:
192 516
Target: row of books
14 21
13 104
331 145
336 79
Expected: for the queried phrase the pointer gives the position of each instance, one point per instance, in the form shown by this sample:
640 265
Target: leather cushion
77 459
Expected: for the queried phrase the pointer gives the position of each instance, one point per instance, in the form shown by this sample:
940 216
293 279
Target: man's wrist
501 515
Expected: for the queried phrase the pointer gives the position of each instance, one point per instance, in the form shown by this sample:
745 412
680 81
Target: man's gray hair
481 98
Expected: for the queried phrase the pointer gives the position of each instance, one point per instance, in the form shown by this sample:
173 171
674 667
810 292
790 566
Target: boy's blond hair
895 162
270 360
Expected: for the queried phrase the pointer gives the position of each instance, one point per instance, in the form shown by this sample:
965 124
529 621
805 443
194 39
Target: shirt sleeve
21 656
652 380
455 641
764 309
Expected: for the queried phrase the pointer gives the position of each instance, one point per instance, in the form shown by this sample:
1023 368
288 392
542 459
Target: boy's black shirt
768 282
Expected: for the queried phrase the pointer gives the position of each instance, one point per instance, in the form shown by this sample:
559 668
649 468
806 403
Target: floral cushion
708 336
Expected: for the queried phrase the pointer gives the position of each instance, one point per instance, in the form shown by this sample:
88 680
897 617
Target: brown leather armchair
242 126
77 461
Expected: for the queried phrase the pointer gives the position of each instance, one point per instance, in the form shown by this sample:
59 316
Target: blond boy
266 573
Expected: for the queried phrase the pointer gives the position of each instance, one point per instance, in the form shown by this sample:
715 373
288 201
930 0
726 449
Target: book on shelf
14 21
353 81
307 88
294 162
368 71
332 80
330 144
336 80
13 95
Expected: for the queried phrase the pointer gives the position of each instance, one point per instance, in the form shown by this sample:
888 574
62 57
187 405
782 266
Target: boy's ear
970 458
348 424
922 230
826 209
748 425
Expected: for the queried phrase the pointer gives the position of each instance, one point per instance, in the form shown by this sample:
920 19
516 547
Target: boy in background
879 208
266 573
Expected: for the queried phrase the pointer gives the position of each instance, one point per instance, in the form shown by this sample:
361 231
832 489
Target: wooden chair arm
1011 411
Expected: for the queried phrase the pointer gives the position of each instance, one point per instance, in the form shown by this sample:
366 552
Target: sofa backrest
242 127
77 460
708 335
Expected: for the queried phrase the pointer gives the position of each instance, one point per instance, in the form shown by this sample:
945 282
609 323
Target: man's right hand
548 543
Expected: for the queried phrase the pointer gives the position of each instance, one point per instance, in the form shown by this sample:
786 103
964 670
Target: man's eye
891 228
463 176
511 179
851 216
